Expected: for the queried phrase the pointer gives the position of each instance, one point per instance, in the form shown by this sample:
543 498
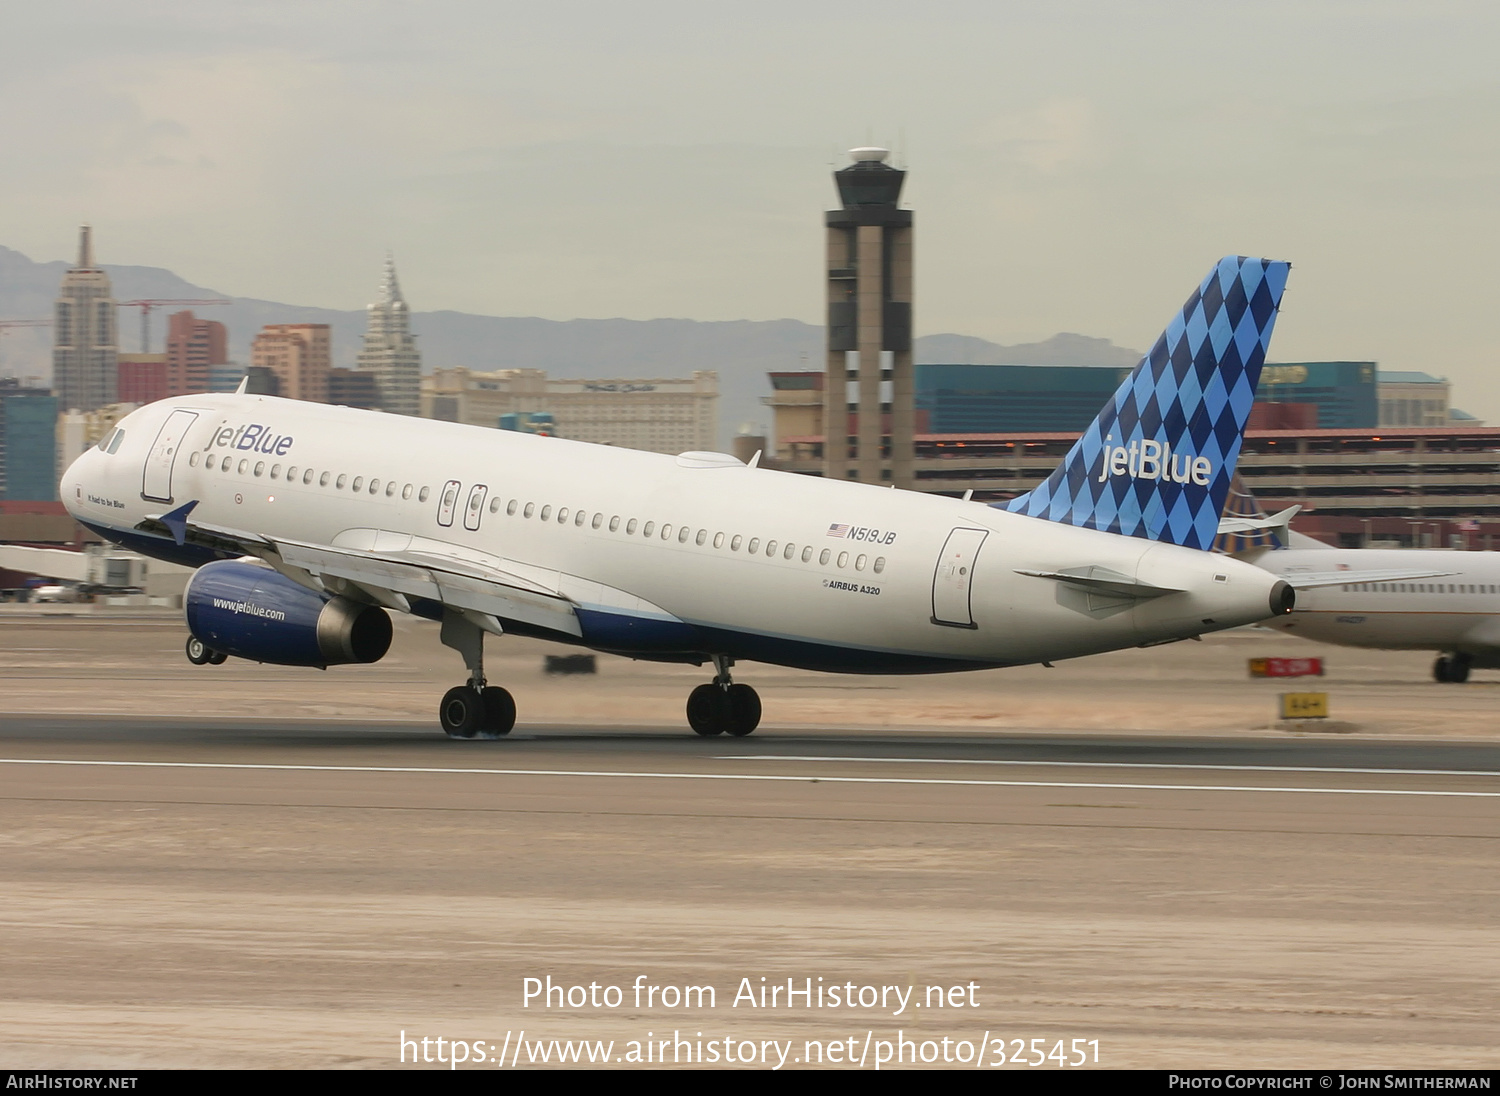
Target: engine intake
253 612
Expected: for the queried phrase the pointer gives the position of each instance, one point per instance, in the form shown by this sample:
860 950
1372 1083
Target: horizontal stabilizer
1276 523
1102 580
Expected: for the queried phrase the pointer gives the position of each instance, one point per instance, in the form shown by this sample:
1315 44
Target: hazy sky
1074 166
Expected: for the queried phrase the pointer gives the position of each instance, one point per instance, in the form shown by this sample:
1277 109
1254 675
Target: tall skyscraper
869 326
194 346
390 350
85 346
298 355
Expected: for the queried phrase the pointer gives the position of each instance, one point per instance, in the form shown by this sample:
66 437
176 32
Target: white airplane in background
1393 599
699 558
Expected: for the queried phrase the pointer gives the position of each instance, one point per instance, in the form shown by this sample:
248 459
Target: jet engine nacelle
253 612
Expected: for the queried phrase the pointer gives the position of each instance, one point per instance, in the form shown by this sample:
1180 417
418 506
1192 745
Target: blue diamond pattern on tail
1158 461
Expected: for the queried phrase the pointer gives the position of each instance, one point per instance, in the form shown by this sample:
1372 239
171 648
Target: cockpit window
110 443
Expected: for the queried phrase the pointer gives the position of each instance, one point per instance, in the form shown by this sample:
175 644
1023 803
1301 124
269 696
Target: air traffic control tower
869 327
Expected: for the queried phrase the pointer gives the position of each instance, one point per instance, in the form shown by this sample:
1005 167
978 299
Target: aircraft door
475 508
447 501
157 481
954 578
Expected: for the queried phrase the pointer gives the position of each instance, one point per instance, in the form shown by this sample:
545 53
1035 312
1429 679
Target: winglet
1158 460
176 521
244 383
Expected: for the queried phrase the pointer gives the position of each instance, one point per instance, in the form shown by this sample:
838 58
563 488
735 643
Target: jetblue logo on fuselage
1148 459
252 437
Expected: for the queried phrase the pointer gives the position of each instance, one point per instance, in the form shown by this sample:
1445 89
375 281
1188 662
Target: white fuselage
761 564
1457 611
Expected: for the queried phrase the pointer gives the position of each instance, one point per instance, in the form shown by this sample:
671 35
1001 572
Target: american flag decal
838 530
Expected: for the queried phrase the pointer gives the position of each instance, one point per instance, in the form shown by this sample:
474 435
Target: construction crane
146 307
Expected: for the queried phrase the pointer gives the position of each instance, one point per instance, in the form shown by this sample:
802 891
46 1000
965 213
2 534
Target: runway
299 891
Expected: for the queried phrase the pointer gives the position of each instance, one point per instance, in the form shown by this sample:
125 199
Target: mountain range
742 352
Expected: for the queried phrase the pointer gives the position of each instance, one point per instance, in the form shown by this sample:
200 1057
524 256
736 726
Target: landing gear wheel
499 712
197 652
462 712
743 708
217 658
1458 669
707 710
1440 670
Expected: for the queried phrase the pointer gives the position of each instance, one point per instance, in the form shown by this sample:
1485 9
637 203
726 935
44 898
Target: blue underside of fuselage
650 638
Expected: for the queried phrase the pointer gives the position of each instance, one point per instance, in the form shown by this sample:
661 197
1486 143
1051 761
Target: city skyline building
657 414
869 274
193 348
85 344
390 350
299 356
28 442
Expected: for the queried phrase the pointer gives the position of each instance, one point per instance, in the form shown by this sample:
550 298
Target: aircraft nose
70 487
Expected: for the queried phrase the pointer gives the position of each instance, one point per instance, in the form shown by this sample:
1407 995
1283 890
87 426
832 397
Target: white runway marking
1112 765
743 777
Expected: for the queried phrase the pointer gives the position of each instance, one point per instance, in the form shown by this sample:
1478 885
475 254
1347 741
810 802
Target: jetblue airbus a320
309 524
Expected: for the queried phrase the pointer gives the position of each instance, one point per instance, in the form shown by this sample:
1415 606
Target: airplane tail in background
1158 461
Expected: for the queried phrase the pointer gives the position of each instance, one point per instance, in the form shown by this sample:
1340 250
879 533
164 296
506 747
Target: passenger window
546 512
244 464
683 534
192 461
823 557
291 473
260 466
666 532
791 550
580 516
495 505
390 488
374 487
702 537
562 515
422 494
510 509
406 491
614 523
648 529
343 479
599 520
754 545
770 547
843 560
718 540
879 564
807 553
225 466
359 482
734 545
859 564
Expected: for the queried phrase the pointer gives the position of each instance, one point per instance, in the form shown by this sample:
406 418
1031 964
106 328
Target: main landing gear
200 654
1451 668
723 707
475 709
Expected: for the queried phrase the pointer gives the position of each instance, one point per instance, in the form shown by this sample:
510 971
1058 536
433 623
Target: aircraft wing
392 571
1312 580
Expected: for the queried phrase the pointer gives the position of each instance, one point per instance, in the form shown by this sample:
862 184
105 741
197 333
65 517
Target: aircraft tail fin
1158 461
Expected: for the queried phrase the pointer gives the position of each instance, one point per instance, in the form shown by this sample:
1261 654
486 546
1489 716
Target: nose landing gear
1451 668
201 654
722 707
